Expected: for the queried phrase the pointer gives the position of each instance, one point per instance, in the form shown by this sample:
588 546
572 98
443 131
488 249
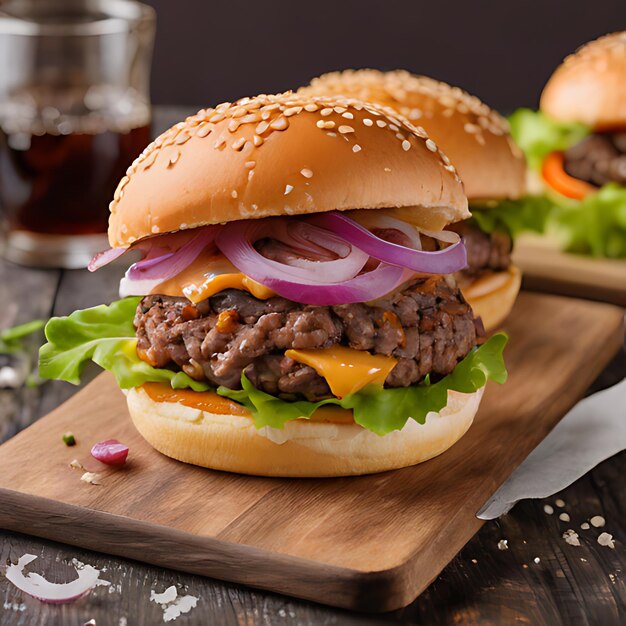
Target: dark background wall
209 51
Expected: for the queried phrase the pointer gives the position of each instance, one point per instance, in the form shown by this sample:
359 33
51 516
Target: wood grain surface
369 543
546 268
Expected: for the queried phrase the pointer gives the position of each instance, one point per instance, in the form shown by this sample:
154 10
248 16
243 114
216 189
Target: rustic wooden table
539 579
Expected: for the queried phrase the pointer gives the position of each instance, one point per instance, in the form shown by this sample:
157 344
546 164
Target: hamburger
477 141
576 147
294 311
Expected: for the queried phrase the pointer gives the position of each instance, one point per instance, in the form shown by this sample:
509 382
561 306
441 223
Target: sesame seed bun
493 295
303 448
286 154
590 85
474 137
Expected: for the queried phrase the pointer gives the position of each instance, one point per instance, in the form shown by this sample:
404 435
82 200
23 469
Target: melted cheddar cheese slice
346 370
206 276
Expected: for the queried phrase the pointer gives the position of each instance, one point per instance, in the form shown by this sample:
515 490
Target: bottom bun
303 448
493 295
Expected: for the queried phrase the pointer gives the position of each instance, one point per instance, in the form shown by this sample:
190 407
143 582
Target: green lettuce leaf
527 214
106 336
595 225
383 410
538 135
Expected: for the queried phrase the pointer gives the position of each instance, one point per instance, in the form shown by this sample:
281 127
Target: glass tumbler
74 113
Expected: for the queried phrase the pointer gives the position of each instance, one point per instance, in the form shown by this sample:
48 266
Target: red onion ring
236 240
362 288
37 586
104 258
167 265
446 261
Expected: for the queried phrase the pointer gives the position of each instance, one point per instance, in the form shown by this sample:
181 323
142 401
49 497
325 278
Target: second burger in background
476 139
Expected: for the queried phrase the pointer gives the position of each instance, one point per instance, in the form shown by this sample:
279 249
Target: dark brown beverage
62 184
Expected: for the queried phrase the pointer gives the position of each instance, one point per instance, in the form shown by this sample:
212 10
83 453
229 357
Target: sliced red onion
373 220
111 452
104 258
172 263
362 288
236 241
130 287
55 593
446 261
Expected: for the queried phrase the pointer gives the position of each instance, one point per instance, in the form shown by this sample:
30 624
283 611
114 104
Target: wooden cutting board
546 268
370 543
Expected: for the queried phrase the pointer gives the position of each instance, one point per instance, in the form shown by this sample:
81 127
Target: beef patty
485 251
598 159
427 326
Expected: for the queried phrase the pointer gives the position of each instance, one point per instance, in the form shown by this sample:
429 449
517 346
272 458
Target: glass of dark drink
74 114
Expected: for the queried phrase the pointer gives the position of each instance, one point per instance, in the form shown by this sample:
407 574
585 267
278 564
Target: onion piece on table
111 452
55 593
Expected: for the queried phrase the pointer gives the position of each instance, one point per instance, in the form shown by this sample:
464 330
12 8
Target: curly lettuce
594 226
527 214
106 336
538 135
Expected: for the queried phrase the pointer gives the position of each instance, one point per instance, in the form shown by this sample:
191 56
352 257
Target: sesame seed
234 193
261 128
203 131
250 164
367 121
292 111
174 158
399 136
345 129
216 117
585 526
548 509
280 123
347 115
406 145
326 111
340 110
449 167
330 134
537 560
288 189
255 207
329 124
381 123
564 517
560 503
387 169
307 173
250 174
220 143
356 148
597 521
257 141
251 118
155 229
311 107
394 128
238 143
431 145
320 123
266 115
182 138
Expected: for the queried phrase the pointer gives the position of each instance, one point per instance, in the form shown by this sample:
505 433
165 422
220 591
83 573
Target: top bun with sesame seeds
472 135
287 154
590 85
